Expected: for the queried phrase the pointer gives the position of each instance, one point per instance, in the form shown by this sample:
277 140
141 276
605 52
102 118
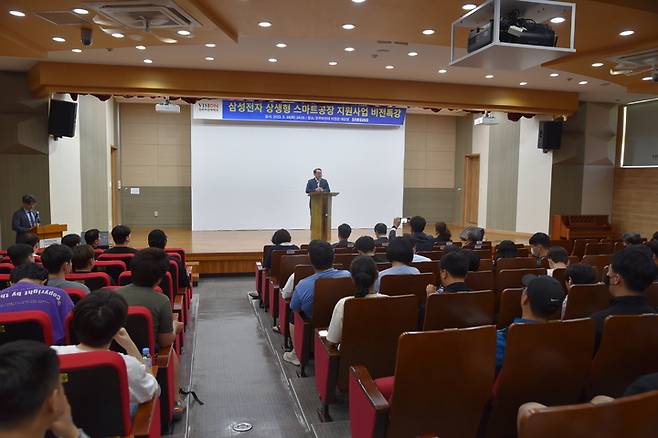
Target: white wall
533 198
253 175
481 146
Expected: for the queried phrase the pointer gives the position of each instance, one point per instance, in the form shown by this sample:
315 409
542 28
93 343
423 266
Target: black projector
533 34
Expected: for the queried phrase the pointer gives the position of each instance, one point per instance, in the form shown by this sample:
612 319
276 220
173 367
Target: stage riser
225 263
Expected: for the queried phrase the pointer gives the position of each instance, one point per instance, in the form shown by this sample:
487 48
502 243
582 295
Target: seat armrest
143 421
327 360
367 406
164 357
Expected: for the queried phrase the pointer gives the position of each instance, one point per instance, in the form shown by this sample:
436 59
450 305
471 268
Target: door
471 189
116 213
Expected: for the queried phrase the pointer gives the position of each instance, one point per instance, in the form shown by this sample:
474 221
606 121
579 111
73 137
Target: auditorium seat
486 265
261 274
113 268
628 350
652 294
428 267
301 272
371 329
427 396
628 417
566 244
344 258
85 376
98 252
30 324
459 310
579 245
586 299
546 363
287 265
598 248
560 274
511 278
126 258
432 255
6 268
93 280
179 251
416 284
510 306
484 253
382 266
516 263
480 280
599 260
75 294
273 283
4 281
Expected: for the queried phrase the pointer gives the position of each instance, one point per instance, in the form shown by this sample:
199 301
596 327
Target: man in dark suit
317 184
26 217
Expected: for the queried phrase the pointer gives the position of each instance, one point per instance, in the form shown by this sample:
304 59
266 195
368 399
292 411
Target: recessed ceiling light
59 39
348 26
169 40
209 58
265 24
273 60
332 63
148 61
349 49
211 45
76 50
489 76
281 45
412 53
597 64
523 83
469 7
17 13
647 78
443 71
358 1
140 47
626 32
554 75
558 20
428 32
184 32
389 67
117 35
583 83
80 11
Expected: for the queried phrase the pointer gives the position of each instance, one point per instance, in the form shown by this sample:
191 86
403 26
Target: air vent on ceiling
154 14
61 18
645 58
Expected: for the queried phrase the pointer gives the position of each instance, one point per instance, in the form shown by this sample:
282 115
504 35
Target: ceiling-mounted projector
167 107
485 119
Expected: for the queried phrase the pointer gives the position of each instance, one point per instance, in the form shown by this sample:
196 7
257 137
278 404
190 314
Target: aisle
235 371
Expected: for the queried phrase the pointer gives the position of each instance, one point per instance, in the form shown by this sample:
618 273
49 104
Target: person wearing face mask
631 272
540 243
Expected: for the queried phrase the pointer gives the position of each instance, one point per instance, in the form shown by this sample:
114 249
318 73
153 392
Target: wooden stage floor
228 252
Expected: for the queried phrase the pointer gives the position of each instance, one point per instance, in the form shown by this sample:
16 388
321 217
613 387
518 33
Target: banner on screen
308 112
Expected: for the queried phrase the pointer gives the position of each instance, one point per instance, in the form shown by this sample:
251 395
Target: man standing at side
26 217
317 183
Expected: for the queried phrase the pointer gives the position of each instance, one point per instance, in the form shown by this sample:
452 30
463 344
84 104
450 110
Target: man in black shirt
344 232
423 241
121 237
381 234
454 266
158 239
631 272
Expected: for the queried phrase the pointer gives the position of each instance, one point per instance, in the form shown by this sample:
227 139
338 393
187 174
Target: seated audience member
422 241
93 238
541 298
381 234
29 239
321 255
83 258
57 260
400 254
396 229
20 253
558 258
418 257
365 246
364 274
32 399
28 292
158 239
506 250
71 240
473 259
632 238
442 233
453 270
344 232
281 241
652 245
121 238
98 319
578 273
629 274
655 236
540 243
471 236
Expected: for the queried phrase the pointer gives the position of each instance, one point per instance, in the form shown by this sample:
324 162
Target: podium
321 215
52 231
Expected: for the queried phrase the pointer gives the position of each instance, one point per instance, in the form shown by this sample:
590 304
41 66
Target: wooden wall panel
635 201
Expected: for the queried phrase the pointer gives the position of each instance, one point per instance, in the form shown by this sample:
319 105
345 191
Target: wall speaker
61 118
550 135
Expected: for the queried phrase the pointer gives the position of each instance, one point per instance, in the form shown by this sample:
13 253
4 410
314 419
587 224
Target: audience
20 253
57 260
558 258
158 239
630 273
632 238
28 292
365 246
452 272
364 274
121 237
321 255
29 239
400 253
83 258
98 319
418 257
32 399
422 241
93 238
281 242
71 240
344 232
471 237
578 273
506 250
442 233
540 243
541 298
381 234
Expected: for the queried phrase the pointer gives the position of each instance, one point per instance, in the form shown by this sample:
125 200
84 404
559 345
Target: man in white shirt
558 258
97 320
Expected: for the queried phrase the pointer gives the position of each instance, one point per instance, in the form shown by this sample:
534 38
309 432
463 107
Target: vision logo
208 106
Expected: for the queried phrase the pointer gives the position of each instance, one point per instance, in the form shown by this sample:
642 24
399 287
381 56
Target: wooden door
116 213
471 188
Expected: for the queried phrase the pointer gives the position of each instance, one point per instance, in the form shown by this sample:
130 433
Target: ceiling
385 33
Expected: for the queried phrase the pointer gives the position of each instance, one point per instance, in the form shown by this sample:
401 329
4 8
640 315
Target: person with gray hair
471 235
632 238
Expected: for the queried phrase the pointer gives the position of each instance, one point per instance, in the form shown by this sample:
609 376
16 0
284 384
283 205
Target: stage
234 252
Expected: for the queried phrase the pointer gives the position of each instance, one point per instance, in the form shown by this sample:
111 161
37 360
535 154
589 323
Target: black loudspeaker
61 118
550 135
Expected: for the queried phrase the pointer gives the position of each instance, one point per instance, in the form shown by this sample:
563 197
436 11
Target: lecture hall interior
488 170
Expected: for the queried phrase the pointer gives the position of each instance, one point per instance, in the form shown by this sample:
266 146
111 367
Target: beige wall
429 159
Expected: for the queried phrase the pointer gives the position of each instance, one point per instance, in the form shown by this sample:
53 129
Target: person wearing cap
558 258
541 298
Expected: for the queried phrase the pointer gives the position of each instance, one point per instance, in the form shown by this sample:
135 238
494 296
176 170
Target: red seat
126 258
4 281
93 280
98 252
385 386
113 268
31 324
6 268
75 294
285 316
